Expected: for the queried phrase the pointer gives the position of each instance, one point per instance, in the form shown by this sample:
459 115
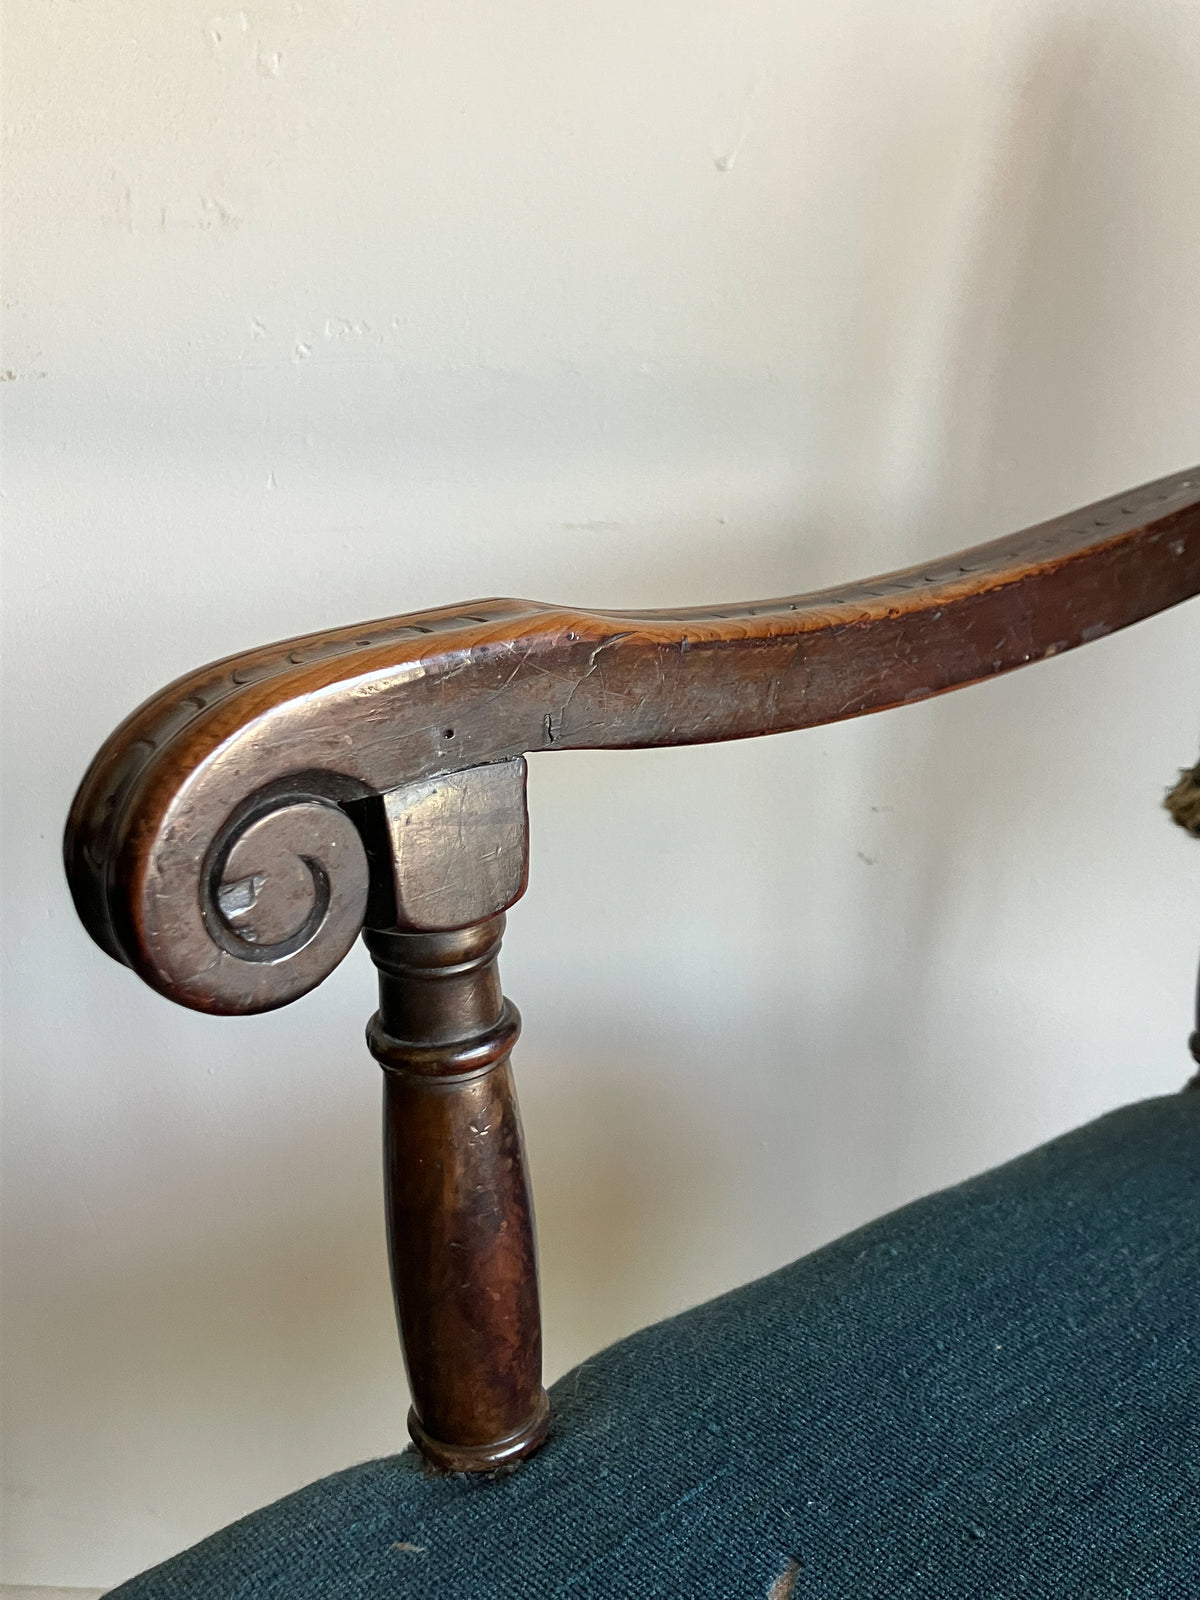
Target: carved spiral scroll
280 899
213 844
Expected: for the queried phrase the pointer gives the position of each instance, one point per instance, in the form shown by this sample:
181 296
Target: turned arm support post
448 856
459 1211
236 833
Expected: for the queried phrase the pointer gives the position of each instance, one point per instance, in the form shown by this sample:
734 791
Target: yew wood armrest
237 832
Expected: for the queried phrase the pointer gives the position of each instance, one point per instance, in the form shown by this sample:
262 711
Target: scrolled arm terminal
216 844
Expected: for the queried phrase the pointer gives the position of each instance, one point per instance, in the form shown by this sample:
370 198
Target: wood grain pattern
329 719
459 1210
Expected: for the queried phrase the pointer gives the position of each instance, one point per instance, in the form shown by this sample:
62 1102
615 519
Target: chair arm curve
244 769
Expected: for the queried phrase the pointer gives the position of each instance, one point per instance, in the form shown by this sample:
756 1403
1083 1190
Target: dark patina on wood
156 828
459 1213
234 835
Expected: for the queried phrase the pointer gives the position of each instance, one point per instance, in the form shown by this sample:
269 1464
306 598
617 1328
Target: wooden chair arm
250 769
236 833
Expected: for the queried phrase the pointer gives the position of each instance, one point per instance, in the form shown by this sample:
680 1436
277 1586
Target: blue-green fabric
993 1392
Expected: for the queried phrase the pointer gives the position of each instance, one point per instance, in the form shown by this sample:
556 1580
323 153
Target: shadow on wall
631 1180
1071 300
1065 304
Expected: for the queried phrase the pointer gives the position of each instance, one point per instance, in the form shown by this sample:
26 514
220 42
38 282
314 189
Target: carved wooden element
448 851
236 832
169 836
459 1213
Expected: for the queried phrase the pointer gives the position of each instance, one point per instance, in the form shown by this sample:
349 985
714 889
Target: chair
993 1391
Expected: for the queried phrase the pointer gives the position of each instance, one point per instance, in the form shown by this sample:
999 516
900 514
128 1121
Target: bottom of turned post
483 1457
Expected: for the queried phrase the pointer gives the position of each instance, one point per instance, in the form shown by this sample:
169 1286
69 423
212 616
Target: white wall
335 308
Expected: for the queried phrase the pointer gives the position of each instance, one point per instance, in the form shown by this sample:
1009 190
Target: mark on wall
208 213
228 27
118 204
727 142
222 28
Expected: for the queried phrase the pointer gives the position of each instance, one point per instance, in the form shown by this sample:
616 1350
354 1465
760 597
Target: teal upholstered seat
993 1392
